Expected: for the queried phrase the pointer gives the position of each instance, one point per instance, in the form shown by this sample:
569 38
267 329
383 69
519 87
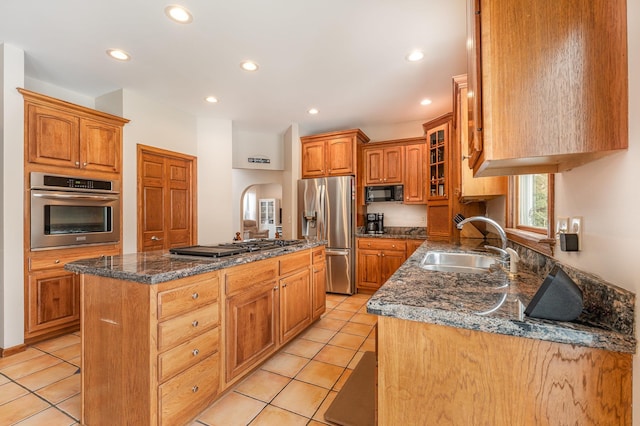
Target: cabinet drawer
241 277
187 354
183 299
381 244
293 262
318 256
189 392
57 258
186 326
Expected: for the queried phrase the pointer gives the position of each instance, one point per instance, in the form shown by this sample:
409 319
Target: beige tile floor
41 386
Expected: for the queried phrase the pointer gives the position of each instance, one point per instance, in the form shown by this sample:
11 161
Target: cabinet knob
284 284
382 254
195 389
195 323
194 296
56 261
154 238
77 163
275 288
84 164
195 352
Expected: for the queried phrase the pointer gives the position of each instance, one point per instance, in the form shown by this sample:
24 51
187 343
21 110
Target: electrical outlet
423 219
575 227
562 225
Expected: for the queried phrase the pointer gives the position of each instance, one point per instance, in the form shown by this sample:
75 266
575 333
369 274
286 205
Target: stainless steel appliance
327 208
376 194
71 211
375 223
231 249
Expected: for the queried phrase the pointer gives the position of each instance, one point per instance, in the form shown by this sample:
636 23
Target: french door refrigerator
326 207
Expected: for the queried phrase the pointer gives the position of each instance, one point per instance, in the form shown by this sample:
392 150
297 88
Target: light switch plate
562 225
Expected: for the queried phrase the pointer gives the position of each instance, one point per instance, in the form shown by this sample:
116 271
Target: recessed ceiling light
211 99
249 66
415 56
425 102
313 111
178 14
118 54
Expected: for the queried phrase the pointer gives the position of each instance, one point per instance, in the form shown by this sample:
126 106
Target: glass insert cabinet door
437 163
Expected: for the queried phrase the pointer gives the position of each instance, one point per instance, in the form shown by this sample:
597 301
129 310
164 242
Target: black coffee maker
375 223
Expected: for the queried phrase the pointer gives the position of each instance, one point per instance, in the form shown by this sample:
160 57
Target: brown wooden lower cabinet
431 374
52 295
158 354
378 259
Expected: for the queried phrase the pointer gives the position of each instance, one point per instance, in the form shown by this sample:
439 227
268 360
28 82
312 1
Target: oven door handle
76 197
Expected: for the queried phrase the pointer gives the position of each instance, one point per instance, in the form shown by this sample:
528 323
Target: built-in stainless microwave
375 194
69 211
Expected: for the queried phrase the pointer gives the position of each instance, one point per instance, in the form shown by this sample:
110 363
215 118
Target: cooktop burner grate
232 249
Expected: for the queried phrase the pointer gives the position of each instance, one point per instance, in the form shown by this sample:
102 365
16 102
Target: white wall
406 215
251 143
291 175
11 196
606 194
410 129
215 188
58 92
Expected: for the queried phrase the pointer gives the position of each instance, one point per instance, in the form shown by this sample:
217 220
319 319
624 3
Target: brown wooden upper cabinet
397 162
65 135
331 154
548 81
383 165
466 187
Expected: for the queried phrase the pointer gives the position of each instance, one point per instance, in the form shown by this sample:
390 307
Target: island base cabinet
431 374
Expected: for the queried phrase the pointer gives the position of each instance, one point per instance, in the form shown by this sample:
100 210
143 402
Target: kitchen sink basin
472 263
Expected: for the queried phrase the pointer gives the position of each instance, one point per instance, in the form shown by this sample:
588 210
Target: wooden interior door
166 199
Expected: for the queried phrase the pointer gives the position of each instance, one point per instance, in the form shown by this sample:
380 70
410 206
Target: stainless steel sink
457 262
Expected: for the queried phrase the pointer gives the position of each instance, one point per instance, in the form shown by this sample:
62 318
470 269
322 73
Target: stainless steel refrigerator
326 209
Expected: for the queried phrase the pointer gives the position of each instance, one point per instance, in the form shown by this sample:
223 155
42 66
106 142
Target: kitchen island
164 335
455 348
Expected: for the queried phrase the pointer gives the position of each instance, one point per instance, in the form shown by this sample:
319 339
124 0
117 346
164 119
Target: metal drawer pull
194 296
195 352
194 389
195 323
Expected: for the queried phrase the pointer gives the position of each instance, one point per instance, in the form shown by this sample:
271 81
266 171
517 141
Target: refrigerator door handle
331 252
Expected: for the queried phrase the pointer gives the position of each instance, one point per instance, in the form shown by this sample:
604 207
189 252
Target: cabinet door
391 260
369 272
439 223
393 164
100 146
438 142
414 174
295 304
373 166
319 289
250 327
53 300
313 159
412 246
340 156
474 99
53 137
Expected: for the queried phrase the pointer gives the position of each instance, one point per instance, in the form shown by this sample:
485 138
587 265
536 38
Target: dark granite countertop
400 232
160 266
494 302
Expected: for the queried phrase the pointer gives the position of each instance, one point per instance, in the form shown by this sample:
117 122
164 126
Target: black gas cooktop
231 249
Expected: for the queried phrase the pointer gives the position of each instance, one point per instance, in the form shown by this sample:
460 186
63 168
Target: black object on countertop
558 298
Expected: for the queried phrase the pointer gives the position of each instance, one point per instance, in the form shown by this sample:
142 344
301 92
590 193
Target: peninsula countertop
494 302
160 266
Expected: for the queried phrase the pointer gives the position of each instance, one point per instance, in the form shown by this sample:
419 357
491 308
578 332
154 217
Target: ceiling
344 57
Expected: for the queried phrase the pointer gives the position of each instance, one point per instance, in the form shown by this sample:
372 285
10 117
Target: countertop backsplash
604 302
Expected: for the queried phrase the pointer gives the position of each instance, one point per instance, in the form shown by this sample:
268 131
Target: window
530 211
532 208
